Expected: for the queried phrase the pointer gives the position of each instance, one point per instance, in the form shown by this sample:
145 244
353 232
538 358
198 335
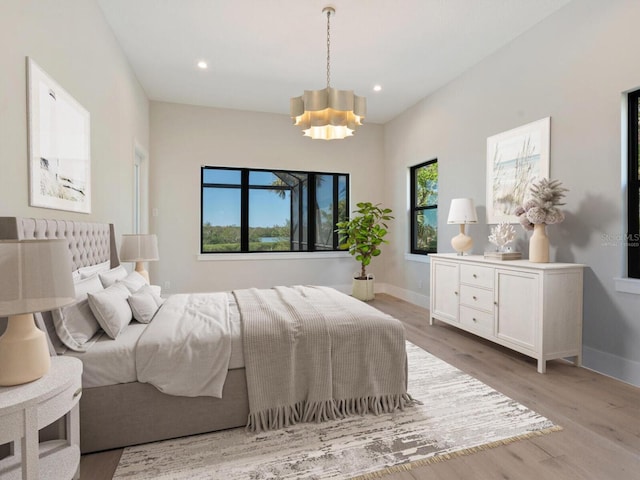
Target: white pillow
111 309
75 324
157 291
112 276
86 272
134 281
144 304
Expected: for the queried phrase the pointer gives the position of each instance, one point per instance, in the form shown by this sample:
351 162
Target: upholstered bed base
133 413
116 416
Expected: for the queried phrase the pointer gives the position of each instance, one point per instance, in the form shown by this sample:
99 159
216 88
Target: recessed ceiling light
377 88
202 64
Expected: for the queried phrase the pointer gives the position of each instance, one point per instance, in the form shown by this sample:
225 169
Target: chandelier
330 113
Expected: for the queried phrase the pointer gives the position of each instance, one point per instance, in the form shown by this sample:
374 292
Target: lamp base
24 353
140 269
462 242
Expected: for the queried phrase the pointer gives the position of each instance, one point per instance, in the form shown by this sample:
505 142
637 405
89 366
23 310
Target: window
633 187
250 210
424 207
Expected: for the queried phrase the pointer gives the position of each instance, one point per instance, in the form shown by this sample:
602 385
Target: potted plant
362 235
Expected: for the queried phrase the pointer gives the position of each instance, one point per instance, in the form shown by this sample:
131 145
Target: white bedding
186 349
109 362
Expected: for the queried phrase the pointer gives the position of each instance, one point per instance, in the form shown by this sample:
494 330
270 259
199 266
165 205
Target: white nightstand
24 409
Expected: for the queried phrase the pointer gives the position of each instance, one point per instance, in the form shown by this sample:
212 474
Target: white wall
573 67
183 138
71 41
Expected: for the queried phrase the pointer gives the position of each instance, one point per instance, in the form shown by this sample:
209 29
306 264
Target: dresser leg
542 365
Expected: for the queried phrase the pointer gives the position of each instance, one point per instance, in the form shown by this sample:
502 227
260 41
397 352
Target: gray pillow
111 309
75 324
144 304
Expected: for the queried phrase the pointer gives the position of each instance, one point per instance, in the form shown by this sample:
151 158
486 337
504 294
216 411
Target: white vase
363 289
539 244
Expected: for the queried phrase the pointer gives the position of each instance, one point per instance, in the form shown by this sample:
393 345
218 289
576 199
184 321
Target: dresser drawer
476 320
475 275
476 297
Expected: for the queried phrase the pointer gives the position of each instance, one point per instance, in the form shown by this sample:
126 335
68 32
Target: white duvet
186 349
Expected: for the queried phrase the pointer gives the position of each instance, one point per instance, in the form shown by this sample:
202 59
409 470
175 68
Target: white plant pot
363 289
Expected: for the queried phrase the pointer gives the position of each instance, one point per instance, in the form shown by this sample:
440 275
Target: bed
116 409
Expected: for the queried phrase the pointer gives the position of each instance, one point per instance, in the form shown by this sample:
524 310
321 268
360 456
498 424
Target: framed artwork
515 159
59 146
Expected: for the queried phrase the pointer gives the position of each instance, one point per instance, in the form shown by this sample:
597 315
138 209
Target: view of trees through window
250 210
424 207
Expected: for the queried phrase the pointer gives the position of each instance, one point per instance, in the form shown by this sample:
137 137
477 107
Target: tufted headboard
89 243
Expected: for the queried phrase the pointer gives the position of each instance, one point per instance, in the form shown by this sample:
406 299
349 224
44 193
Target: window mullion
244 211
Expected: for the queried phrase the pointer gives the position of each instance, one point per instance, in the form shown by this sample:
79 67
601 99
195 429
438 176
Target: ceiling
262 52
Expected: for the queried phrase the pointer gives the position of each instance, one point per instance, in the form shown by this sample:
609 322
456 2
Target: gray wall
574 67
183 138
71 41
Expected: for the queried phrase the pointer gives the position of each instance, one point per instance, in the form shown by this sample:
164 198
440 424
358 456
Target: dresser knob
474 320
77 392
495 303
475 298
455 293
475 276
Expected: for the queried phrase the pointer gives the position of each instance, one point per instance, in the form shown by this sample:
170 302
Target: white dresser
533 308
25 409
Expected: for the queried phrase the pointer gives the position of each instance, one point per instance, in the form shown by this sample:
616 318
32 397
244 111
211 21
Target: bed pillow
76 324
86 272
134 281
111 309
112 276
144 304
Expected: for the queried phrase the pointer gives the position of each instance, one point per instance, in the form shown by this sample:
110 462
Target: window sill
627 285
212 257
413 257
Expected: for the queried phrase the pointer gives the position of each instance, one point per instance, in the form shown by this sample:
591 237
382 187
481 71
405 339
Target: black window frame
414 209
245 187
633 187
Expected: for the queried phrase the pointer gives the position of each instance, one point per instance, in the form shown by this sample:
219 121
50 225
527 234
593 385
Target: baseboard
614 366
403 294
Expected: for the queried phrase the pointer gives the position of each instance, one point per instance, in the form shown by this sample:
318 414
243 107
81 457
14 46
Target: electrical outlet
167 285
154 212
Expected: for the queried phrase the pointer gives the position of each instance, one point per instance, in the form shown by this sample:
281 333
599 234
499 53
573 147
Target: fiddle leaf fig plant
363 234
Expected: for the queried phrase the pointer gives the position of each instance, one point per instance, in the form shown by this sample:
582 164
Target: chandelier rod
329 11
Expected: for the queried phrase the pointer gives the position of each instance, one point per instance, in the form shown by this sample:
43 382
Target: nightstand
25 409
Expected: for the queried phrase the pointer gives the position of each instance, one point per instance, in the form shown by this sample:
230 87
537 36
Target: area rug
455 415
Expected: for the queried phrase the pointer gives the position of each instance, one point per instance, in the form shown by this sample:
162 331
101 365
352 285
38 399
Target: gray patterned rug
457 415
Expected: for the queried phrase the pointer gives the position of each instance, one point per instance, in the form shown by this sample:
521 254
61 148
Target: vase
539 244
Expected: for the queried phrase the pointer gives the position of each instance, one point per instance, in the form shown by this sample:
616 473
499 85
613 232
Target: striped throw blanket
314 354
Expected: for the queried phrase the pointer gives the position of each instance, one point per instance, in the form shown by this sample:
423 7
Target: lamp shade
462 211
139 248
35 276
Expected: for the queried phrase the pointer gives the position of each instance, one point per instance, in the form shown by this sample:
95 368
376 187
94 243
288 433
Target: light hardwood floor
600 416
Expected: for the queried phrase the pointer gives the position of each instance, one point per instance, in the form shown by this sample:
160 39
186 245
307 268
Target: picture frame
59 145
515 159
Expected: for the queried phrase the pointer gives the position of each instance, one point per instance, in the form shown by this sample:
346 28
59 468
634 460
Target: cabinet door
517 308
444 290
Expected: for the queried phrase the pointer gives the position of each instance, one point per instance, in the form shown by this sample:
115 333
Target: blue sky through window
221 206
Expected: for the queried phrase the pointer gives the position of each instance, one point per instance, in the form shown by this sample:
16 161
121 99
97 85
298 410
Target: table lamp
461 212
139 248
35 276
